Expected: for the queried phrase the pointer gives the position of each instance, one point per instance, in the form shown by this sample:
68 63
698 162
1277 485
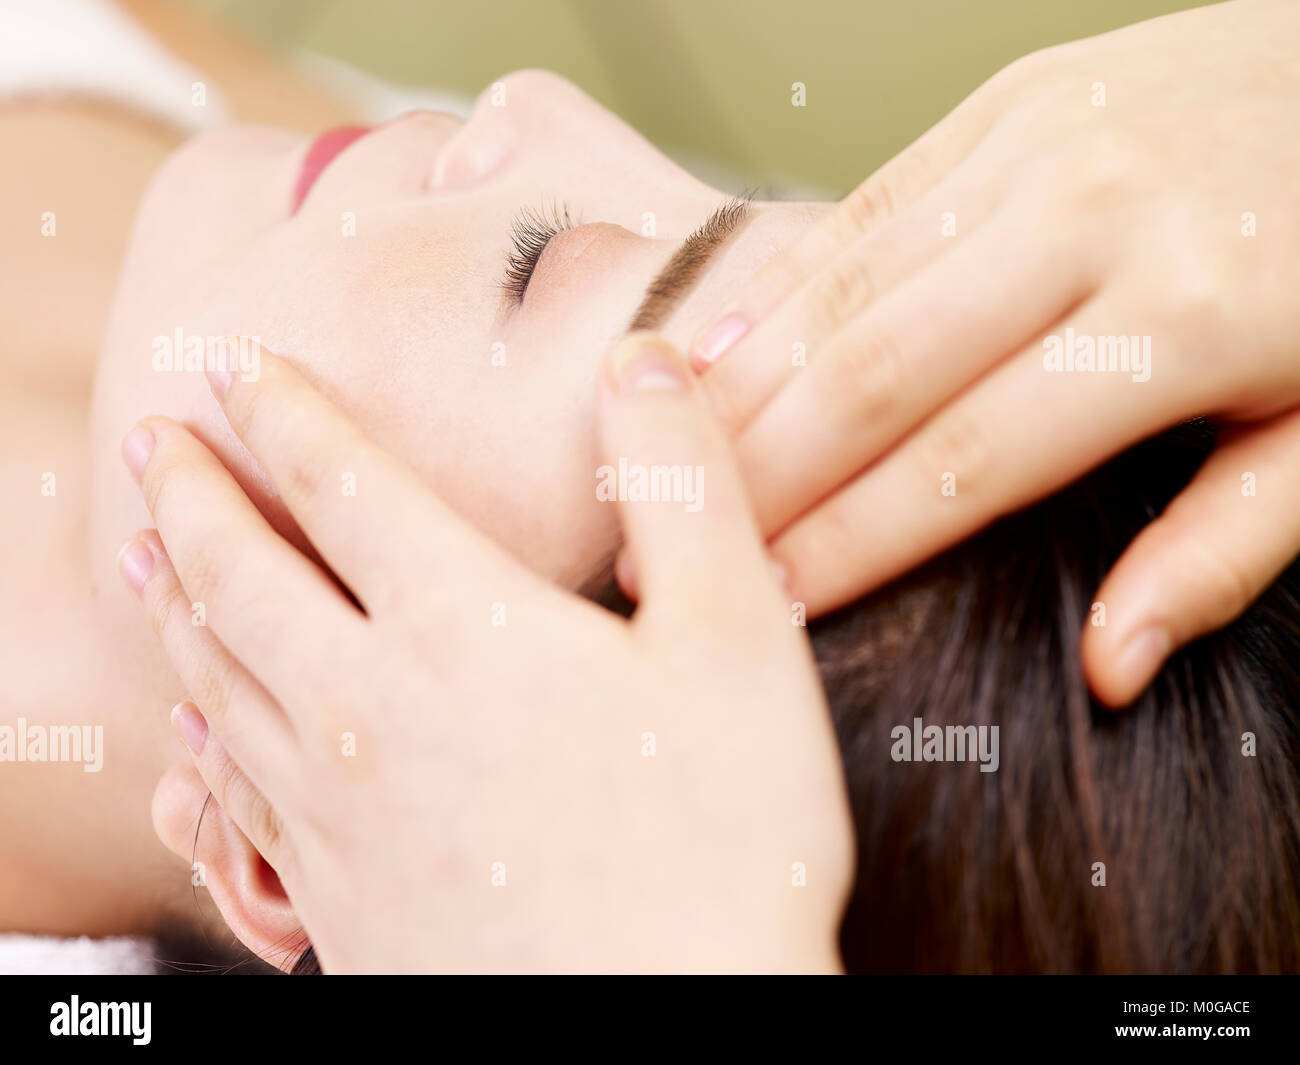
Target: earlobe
244 887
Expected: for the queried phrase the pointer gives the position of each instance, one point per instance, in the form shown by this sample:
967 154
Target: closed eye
530 232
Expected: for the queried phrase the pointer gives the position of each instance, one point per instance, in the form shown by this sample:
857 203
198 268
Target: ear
244 887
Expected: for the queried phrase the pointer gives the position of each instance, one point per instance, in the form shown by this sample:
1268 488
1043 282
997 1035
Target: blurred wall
711 79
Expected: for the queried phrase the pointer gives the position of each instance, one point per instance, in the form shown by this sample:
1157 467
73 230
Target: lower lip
321 153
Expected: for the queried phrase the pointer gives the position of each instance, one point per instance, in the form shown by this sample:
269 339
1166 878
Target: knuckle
1220 579
845 288
166 606
1190 299
831 533
307 479
912 168
957 443
726 397
241 801
223 780
265 828
1022 70
1035 69
868 204
1195 318
863 376
203 571
782 275
262 414
1021 88
1232 584
159 486
282 428
211 685
1100 167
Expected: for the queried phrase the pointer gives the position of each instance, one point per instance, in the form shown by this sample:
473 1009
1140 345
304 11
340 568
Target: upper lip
320 153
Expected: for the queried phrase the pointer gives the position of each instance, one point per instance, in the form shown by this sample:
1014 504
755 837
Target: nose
514 111
479 149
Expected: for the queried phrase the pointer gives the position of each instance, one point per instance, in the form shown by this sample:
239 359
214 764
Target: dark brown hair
967 871
964 871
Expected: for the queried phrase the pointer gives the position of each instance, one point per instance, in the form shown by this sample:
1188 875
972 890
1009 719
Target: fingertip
645 362
137 447
219 382
151 537
135 562
625 575
235 357
1118 675
714 341
190 724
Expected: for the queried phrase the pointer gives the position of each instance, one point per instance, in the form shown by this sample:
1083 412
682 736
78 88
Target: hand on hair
481 771
1132 196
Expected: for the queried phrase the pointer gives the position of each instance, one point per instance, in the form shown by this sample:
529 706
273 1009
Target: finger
778 348
239 708
690 535
901 181
231 787
253 587
1015 436
904 357
366 513
1222 541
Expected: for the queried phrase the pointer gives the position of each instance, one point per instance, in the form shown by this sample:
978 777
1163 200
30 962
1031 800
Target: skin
83 838
563 790
925 345
1078 219
397 324
240 292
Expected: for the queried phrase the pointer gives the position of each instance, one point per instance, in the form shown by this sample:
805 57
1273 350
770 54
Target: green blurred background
709 81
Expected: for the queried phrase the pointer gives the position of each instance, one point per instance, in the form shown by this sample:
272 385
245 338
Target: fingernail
1141 658
720 339
154 542
134 562
190 725
137 446
219 382
625 574
647 363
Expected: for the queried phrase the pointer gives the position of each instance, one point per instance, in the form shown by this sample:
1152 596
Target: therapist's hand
1143 184
483 771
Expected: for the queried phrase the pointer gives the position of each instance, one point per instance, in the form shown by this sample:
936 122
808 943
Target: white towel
53 956
61 49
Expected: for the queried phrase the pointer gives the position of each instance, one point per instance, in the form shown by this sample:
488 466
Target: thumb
691 538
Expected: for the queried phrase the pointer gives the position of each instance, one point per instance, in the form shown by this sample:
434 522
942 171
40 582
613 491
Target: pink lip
321 153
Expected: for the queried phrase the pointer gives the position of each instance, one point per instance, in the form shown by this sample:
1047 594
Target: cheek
219 190
509 446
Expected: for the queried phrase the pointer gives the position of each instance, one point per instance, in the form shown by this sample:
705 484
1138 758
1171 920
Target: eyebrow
683 271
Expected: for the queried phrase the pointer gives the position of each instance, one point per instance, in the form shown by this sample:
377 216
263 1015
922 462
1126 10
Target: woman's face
388 288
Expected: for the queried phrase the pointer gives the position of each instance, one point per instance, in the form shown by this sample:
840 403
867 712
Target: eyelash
530 233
